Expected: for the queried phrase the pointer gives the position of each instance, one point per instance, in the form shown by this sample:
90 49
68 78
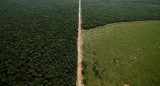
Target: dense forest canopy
38 43
100 12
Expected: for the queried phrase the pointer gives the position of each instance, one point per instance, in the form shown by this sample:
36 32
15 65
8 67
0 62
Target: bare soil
79 49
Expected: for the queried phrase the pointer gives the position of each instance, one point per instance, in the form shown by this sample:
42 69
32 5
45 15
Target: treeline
100 12
38 42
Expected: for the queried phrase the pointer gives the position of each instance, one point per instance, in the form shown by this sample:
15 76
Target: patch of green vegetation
122 53
38 42
100 12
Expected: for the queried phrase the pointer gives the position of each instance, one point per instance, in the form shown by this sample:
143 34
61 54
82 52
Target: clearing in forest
125 53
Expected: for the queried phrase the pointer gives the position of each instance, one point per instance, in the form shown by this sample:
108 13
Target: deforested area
122 54
100 12
38 42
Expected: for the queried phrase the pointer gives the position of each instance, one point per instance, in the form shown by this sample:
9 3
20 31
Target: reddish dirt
79 46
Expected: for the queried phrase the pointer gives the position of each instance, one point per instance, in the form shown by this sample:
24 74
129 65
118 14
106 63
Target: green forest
100 12
38 38
38 42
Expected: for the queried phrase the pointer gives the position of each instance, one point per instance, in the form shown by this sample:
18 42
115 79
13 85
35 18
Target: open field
100 12
122 53
38 42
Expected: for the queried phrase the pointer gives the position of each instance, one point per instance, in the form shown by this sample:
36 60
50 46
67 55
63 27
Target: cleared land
122 53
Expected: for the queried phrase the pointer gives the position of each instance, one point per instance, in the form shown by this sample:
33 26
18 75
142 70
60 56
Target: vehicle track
79 46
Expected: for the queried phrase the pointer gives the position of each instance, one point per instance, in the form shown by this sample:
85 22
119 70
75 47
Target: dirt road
79 46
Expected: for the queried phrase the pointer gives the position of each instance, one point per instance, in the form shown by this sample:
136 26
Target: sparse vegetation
122 53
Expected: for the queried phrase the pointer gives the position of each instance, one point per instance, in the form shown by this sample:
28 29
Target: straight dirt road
79 46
